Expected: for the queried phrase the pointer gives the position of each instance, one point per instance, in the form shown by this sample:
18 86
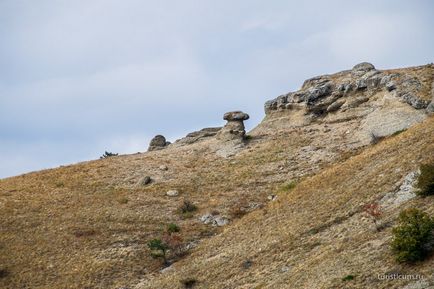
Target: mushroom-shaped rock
234 128
157 143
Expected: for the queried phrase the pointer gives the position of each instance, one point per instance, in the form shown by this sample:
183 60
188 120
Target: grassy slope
87 225
317 230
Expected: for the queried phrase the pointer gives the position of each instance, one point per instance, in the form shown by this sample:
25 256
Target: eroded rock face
157 143
234 128
200 135
330 93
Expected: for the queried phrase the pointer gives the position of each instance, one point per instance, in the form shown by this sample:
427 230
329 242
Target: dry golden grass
317 231
87 225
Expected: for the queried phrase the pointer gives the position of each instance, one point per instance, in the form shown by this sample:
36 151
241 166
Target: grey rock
362 68
361 84
315 81
234 128
413 100
196 136
335 105
430 107
319 91
172 193
391 85
270 105
157 143
235 116
145 181
214 220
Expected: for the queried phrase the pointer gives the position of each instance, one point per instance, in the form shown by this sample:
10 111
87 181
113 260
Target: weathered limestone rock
157 143
200 135
234 128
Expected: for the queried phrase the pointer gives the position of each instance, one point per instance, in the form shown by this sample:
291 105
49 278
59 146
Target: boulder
172 193
157 143
214 220
362 68
145 181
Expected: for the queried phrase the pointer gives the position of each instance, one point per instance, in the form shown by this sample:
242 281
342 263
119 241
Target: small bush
348 278
187 207
189 282
107 155
288 186
173 228
158 249
425 181
4 272
79 233
123 200
374 212
413 236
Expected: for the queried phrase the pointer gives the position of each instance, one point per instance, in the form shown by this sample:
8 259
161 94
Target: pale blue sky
84 76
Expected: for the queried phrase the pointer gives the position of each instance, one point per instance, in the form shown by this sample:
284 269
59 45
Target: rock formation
157 143
328 93
382 101
200 135
234 128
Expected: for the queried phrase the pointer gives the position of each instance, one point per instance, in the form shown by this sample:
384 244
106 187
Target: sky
81 77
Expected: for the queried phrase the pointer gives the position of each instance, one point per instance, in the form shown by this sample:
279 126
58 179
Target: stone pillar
234 128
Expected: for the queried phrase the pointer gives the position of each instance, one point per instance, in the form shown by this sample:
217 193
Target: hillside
344 140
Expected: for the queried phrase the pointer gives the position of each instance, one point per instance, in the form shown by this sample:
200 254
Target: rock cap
236 116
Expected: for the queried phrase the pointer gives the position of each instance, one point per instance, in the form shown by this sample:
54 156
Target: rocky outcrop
329 93
234 128
157 143
200 135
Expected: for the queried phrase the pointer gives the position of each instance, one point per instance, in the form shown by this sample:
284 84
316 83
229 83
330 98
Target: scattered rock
145 181
157 143
167 269
214 220
285 269
172 193
163 168
247 264
403 194
272 197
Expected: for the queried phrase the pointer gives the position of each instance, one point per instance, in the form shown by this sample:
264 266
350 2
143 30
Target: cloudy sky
84 76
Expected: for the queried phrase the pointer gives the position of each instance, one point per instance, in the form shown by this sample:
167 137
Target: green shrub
107 155
425 181
287 187
187 207
158 249
173 228
348 278
413 235
189 282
